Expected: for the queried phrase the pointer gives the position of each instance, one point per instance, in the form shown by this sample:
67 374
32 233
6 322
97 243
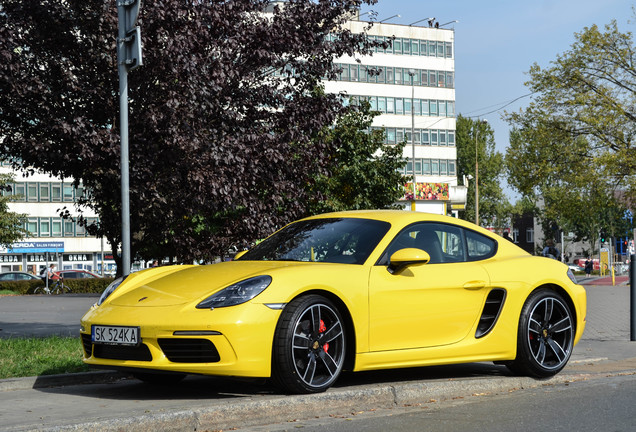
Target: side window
479 247
442 242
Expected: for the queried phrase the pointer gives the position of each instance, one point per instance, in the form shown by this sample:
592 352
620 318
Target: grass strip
22 357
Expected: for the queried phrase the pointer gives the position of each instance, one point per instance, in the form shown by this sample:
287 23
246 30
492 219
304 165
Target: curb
44 381
262 410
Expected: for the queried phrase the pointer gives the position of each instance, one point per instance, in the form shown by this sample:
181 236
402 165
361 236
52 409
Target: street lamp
476 127
412 75
386 19
419 21
450 22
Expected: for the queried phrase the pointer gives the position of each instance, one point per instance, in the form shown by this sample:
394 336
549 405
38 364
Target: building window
451 138
442 138
434 138
433 108
529 235
45 227
451 168
397 46
440 49
434 167
32 227
390 105
418 166
45 192
426 166
68 192
56 228
32 191
56 192
425 138
19 192
69 228
432 45
443 167
390 135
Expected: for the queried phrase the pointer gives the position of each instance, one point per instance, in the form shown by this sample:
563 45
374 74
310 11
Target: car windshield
335 240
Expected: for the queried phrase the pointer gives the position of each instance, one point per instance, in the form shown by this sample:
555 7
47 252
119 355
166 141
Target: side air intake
491 311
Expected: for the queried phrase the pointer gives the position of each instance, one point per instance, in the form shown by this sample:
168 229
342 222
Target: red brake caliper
322 329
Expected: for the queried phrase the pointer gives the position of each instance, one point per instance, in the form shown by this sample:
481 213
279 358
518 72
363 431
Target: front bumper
232 341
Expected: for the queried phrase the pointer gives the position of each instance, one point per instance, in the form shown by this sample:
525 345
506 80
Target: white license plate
115 335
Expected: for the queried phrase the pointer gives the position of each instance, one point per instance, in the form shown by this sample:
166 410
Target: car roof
400 217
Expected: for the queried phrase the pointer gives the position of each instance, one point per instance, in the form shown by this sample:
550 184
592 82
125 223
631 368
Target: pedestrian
506 235
155 263
550 251
589 266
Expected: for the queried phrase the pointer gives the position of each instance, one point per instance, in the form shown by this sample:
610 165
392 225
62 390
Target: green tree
225 115
475 139
573 146
364 172
11 224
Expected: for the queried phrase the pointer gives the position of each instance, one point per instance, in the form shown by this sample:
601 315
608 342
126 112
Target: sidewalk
203 403
602 280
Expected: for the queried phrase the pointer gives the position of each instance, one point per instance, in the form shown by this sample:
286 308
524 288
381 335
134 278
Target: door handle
475 285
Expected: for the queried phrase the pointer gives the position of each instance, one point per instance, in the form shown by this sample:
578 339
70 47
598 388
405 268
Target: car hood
175 285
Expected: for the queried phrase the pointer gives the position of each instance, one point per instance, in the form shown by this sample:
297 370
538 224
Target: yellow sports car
353 291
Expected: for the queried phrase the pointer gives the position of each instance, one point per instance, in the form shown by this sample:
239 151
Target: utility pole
128 58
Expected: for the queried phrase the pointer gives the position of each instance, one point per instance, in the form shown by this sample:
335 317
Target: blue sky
496 42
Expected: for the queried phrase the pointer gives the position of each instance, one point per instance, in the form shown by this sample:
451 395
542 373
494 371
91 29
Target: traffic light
603 237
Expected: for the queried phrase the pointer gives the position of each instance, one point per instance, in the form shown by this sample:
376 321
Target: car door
429 304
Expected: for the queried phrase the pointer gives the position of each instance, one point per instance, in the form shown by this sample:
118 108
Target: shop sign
10 258
77 257
41 257
35 247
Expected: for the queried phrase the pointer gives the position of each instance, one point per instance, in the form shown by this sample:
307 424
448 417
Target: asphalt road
204 403
584 406
43 315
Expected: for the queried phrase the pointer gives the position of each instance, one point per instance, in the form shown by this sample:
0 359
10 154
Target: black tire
309 345
159 378
545 337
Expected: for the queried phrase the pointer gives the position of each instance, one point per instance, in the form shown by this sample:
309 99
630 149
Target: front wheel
309 345
545 337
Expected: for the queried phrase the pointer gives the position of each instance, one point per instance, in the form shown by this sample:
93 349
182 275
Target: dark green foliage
364 173
78 286
21 287
225 140
493 204
88 285
11 224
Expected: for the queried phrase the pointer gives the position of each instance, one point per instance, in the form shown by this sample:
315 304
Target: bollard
632 297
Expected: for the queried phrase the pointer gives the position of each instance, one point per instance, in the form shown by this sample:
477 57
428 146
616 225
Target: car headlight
237 293
571 276
109 289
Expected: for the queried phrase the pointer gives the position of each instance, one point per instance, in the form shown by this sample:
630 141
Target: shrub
89 285
80 286
23 286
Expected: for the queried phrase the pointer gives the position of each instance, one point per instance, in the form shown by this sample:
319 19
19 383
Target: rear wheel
545 337
309 345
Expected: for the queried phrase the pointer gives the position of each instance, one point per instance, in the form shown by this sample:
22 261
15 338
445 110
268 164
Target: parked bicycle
55 287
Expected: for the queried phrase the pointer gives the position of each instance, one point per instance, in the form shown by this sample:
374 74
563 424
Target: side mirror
239 254
406 257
